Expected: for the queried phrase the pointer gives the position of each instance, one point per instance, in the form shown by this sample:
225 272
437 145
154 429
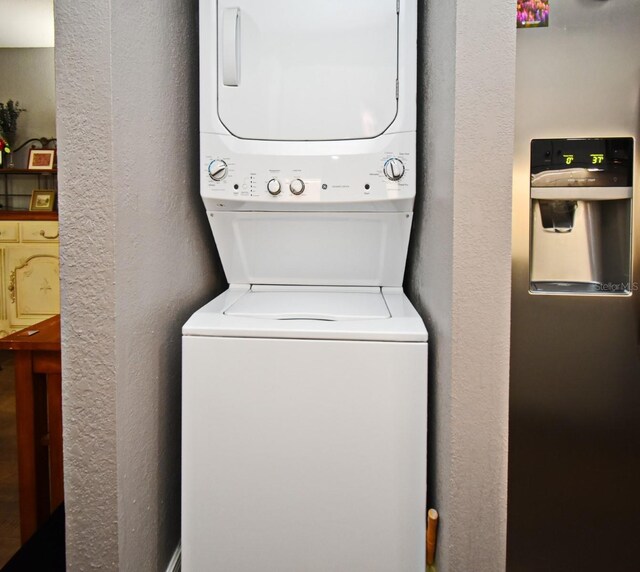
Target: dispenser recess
581 216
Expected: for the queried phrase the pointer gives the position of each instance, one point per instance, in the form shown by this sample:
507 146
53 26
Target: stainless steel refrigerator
574 450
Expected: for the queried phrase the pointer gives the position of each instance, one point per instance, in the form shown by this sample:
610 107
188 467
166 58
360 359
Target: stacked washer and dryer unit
305 383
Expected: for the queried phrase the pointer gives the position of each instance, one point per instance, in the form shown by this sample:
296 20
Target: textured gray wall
459 269
137 258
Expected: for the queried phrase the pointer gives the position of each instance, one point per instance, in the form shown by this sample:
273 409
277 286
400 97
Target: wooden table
39 421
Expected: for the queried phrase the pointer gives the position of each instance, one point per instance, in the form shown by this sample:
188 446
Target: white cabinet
30 275
9 231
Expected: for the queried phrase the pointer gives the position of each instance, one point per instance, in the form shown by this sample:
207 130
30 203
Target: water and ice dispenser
581 216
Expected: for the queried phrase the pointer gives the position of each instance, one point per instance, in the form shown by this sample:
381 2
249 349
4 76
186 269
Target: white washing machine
304 432
305 383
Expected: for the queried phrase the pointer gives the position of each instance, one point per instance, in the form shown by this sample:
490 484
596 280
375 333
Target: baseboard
175 562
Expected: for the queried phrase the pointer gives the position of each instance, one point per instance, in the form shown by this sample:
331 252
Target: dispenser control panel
381 177
594 162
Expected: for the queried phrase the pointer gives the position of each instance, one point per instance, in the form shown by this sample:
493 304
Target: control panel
594 162
346 181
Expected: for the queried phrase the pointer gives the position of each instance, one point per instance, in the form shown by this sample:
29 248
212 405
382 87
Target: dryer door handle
231 47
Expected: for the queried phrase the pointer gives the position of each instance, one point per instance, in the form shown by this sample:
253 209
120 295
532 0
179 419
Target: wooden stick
432 534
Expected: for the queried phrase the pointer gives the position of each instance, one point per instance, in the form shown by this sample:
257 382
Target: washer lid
311 70
403 324
296 303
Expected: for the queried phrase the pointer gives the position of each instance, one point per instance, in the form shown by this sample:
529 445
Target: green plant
9 113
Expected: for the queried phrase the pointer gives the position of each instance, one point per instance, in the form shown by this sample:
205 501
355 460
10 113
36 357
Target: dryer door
307 70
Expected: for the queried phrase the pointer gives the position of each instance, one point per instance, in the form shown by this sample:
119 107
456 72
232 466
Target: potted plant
9 113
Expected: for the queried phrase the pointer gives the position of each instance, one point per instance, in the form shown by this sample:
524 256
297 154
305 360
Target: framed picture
41 159
42 200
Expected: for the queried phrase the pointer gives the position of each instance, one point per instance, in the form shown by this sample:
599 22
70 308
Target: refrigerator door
574 443
307 71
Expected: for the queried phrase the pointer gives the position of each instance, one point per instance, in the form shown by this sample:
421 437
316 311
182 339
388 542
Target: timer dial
393 169
273 186
218 170
297 186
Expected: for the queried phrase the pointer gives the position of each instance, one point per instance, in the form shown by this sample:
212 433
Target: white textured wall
137 258
459 269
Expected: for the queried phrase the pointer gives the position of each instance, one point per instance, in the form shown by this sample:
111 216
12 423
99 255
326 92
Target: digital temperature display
596 158
587 162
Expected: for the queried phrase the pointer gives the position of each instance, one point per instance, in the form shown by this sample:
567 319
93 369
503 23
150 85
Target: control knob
297 186
393 169
218 170
273 186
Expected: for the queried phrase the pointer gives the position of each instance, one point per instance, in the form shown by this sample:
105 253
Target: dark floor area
9 509
44 551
